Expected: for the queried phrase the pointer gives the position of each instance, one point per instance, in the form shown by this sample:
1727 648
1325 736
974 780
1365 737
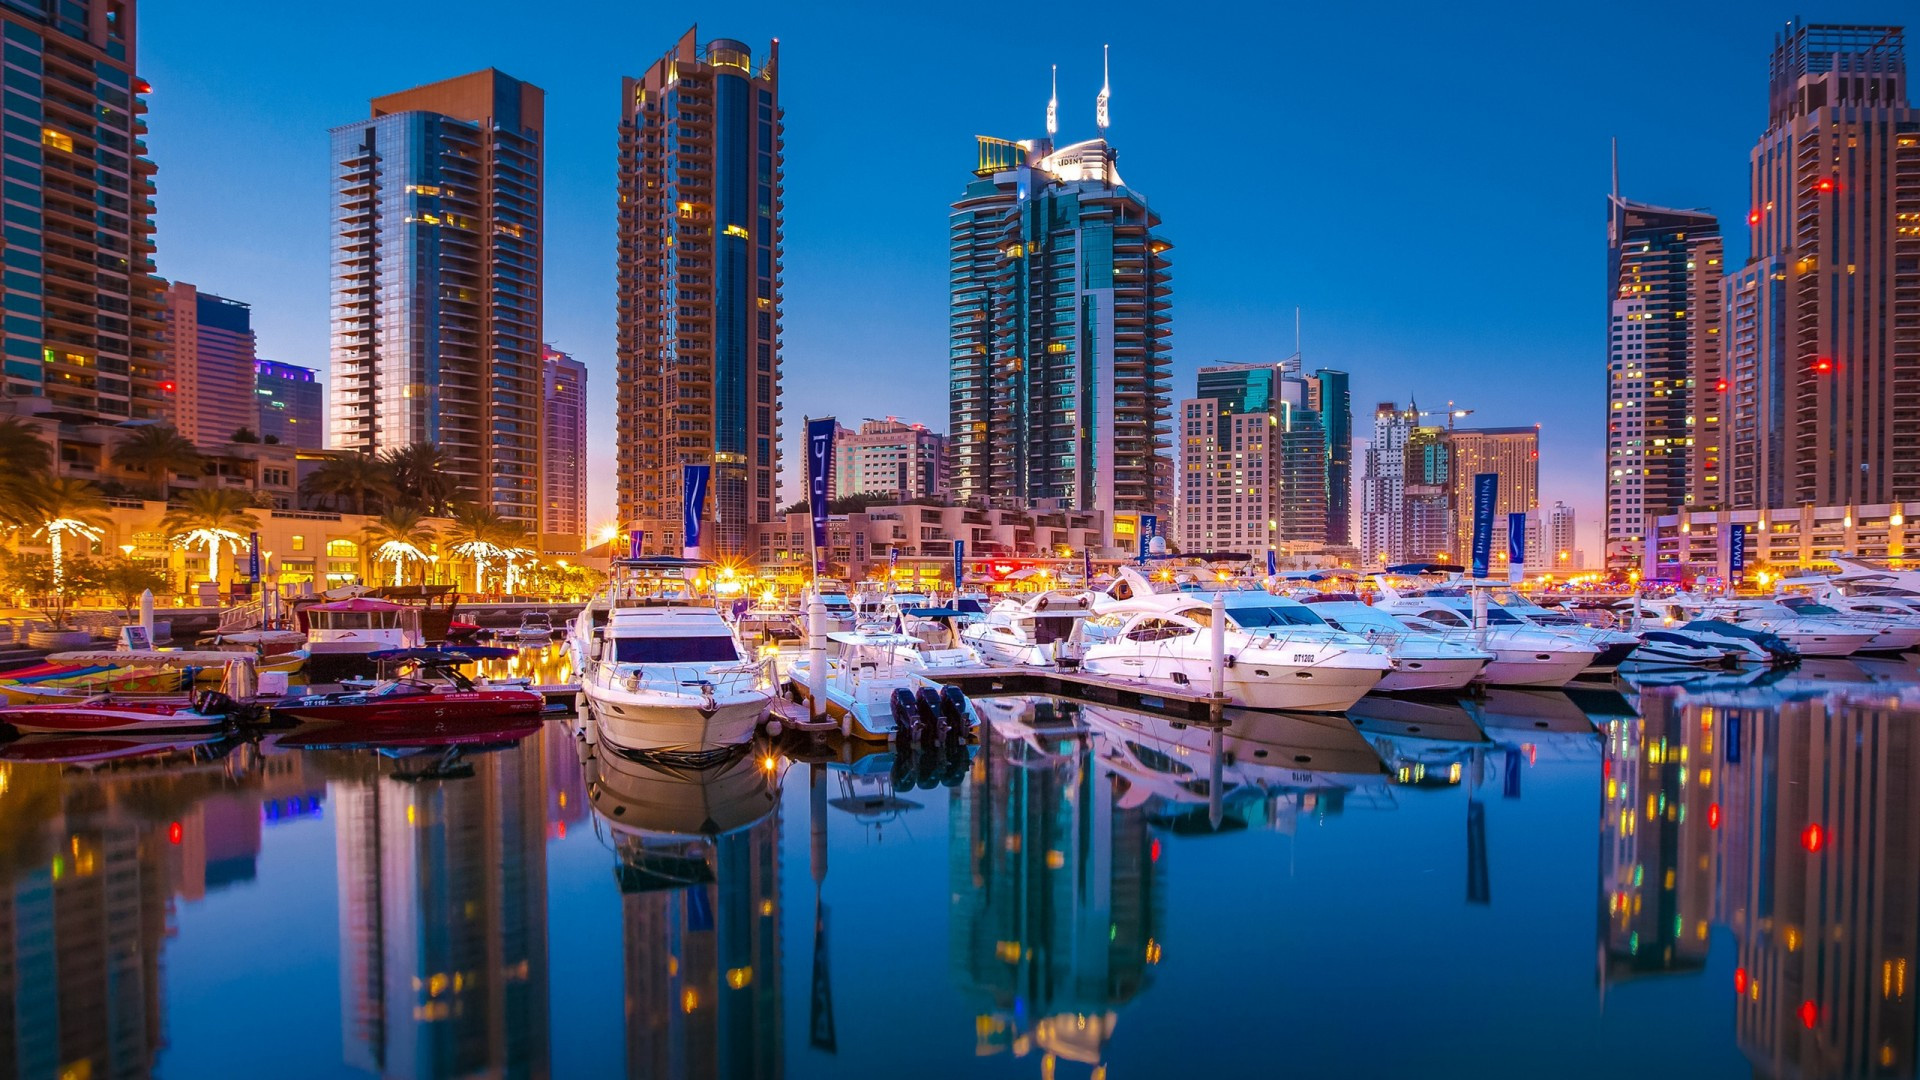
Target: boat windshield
1261 616
1808 607
703 649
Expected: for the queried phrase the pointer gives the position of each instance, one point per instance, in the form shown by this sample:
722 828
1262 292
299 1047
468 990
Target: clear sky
1426 181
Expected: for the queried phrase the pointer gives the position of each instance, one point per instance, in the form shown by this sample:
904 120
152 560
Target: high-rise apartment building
1383 493
1428 474
436 282
291 404
1059 332
1664 392
563 444
210 356
699 253
1512 454
1551 540
890 458
1332 399
1253 461
83 307
1823 359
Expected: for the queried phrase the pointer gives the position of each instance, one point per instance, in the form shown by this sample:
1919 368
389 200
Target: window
299 542
59 140
706 649
342 549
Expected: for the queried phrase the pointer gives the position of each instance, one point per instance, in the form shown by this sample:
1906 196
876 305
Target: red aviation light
1721 386
1713 815
1739 980
1753 218
174 833
167 386
1823 365
1825 184
1809 1014
1813 838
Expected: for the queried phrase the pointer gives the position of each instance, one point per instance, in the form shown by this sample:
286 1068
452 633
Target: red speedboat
211 711
437 699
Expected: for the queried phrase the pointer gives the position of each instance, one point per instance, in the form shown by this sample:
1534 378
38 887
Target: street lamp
127 550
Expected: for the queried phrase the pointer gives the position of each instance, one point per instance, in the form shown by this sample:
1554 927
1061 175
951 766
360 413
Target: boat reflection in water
1797 827
91 861
698 866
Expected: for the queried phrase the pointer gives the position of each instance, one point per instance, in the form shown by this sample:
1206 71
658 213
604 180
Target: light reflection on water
1722 881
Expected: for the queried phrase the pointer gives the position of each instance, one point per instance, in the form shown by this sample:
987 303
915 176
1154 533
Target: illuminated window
57 139
299 542
342 549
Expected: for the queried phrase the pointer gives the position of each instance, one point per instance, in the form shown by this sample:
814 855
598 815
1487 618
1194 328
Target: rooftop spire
1053 105
1100 106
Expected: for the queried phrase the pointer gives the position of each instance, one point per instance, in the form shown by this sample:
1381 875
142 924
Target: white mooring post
817 660
1480 615
1219 627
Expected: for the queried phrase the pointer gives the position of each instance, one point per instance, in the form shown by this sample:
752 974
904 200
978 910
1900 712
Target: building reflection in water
698 865
442 881
91 860
1056 883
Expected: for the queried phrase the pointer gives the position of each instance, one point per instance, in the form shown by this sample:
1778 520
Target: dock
1195 706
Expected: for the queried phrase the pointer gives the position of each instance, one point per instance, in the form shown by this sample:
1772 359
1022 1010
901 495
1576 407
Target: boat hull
1526 667
682 727
104 717
371 714
1416 674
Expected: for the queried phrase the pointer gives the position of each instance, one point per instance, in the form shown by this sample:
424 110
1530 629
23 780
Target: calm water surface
1722 881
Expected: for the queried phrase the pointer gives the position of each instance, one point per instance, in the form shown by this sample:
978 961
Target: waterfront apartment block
1254 462
210 355
83 307
1695 543
1383 492
563 445
889 458
860 544
1059 333
292 404
1552 541
699 262
1664 389
1823 367
436 282
1512 454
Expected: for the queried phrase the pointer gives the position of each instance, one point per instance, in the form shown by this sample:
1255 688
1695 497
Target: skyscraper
436 282
1059 332
1334 402
1664 269
1383 493
1512 454
210 355
291 404
1253 461
563 450
82 305
699 253
1824 322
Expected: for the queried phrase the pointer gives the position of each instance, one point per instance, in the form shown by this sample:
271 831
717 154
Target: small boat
155 674
435 696
208 711
535 626
341 634
864 684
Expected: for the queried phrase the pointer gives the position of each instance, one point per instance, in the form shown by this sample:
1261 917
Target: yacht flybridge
661 669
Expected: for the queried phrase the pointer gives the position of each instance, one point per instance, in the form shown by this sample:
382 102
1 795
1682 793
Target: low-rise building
860 545
1699 543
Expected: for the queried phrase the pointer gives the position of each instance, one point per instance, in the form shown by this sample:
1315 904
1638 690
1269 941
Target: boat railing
1272 639
247 616
732 677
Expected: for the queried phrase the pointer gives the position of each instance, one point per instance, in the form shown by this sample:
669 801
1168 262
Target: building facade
699 253
437 258
1253 457
864 543
890 458
83 307
1512 454
1664 390
1333 400
210 355
1383 493
1823 407
291 404
563 444
1697 543
1059 332
1551 541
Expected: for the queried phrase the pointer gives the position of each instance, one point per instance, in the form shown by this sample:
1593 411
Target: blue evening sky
1425 180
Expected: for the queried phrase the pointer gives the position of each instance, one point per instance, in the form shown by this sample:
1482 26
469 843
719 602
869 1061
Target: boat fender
906 712
928 700
1231 660
953 709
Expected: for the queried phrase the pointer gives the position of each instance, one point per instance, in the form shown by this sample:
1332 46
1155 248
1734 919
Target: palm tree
481 534
157 451
400 537
66 507
355 476
210 517
22 448
422 478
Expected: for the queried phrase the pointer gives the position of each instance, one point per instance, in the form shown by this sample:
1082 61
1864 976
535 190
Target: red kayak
99 716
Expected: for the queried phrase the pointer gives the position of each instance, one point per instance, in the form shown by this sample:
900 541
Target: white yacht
1523 655
664 673
342 633
1279 654
862 680
841 614
1614 646
1043 630
1807 635
1421 661
1895 628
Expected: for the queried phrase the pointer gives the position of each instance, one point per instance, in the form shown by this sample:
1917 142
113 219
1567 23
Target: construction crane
1449 412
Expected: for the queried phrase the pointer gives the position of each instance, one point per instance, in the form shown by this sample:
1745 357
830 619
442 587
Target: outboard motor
906 714
929 701
953 710
213 703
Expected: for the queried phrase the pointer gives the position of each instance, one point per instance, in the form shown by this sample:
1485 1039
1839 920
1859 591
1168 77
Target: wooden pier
1195 706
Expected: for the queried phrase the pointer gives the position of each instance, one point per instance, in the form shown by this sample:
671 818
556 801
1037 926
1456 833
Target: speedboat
1807 635
1036 631
535 626
665 674
1523 655
1420 661
864 684
208 711
414 702
1279 654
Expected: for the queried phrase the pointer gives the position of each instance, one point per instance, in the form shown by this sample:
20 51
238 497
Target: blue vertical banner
1486 488
1516 547
959 564
1149 527
253 557
893 558
1273 563
819 469
1737 554
636 540
693 505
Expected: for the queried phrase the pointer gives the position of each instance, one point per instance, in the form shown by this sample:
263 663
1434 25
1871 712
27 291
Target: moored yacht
1523 655
1421 661
861 683
1807 635
1895 630
1042 630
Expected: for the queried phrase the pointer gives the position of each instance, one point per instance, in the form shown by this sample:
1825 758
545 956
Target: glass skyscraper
1254 455
700 290
1334 402
291 408
1059 331
82 328
436 282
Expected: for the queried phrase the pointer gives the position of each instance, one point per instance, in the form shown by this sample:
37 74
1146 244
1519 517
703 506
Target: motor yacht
1523 655
1896 629
665 674
341 634
1807 635
1421 661
862 680
1614 646
1042 630
1279 654
536 627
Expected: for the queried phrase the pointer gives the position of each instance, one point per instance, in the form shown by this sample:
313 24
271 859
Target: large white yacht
1042 630
1421 661
1808 635
1895 627
663 671
1279 654
1523 655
